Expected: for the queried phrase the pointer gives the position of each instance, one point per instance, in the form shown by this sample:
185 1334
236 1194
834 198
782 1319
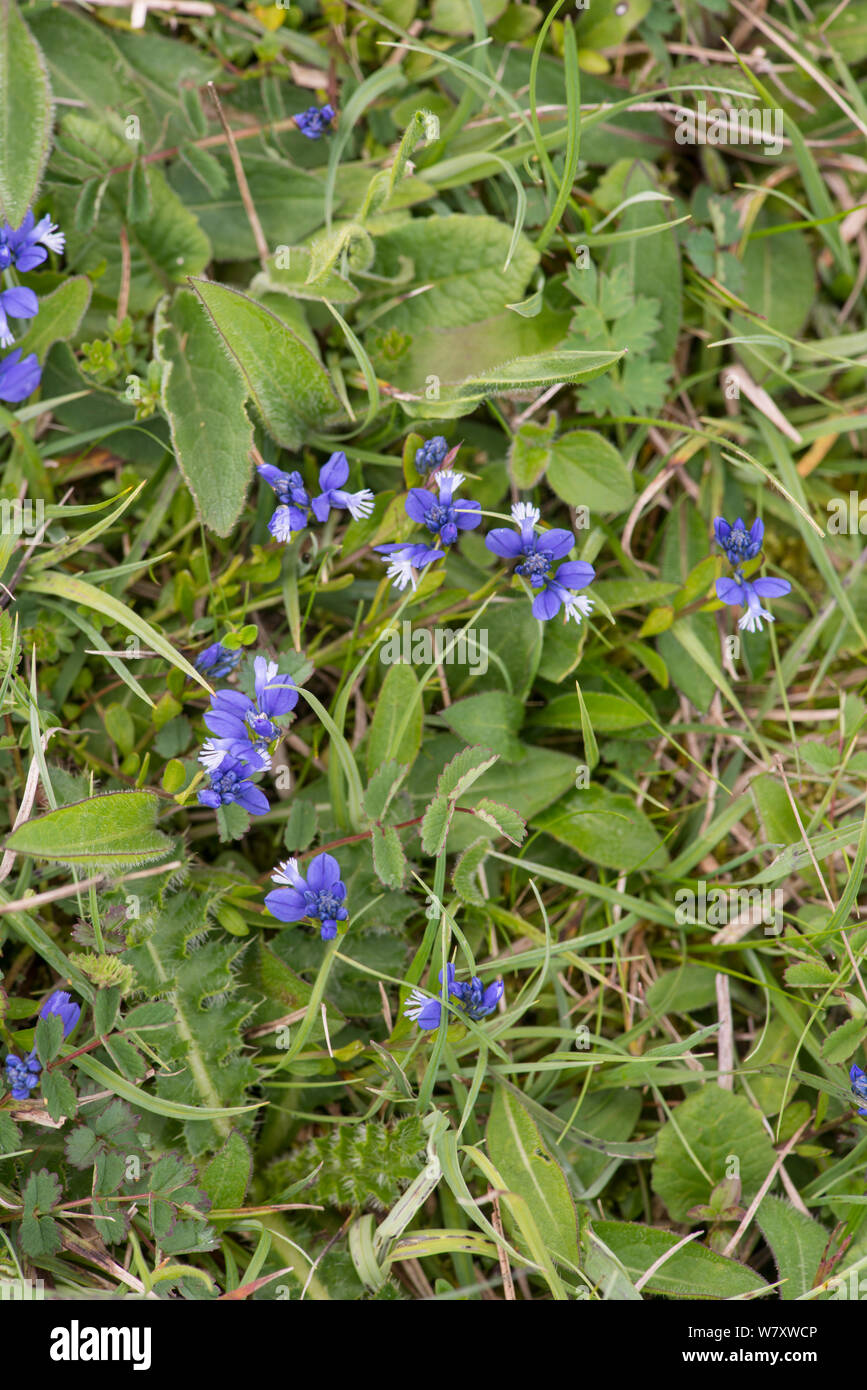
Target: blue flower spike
233 715
858 1079
444 515
315 121
22 1077
741 545
738 543
218 661
470 997
319 897
431 454
230 783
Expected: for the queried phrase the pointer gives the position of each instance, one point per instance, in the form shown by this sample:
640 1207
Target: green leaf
435 825
58 1095
798 1244
25 115
503 819
382 786
463 770
291 389
694 1272
203 396
531 451
114 829
493 718
517 1149
226 1177
400 692
49 1037
389 860
105 1007
682 991
839 1045
717 1126
461 258
809 974
59 317
465 878
585 470
605 828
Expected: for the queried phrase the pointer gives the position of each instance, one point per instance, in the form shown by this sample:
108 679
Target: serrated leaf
49 1036
203 395
25 115
226 1177
809 974
382 787
290 387
115 829
389 860
435 824
839 1045
502 818
58 1095
464 876
463 770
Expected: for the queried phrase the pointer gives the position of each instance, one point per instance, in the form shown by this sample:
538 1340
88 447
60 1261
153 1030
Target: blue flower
315 121
18 302
62 1004
217 660
233 715
255 755
319 896
22 1076
748 593
859 1084
294 499
19 377
559 591
469 996
229 783
431 453
332 476
738 543
404 561
27 246
443 516
477 1001
539 551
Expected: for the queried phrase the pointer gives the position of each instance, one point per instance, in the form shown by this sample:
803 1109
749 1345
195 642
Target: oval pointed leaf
203 396
115 829
291 389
